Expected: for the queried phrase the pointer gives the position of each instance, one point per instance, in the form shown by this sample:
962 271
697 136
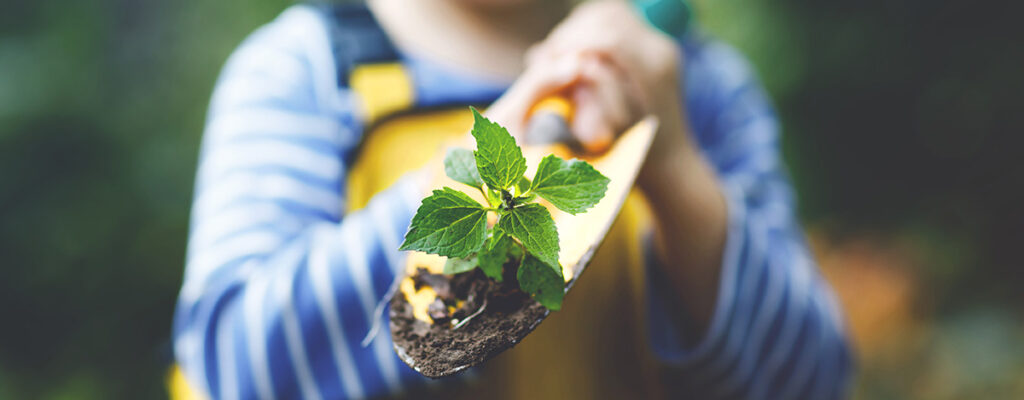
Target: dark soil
437 350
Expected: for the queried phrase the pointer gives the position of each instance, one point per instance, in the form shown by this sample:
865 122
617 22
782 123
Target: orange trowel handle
549 121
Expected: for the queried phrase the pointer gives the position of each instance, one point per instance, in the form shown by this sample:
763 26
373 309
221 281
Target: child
292 246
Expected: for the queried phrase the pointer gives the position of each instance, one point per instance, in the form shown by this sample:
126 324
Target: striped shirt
281 286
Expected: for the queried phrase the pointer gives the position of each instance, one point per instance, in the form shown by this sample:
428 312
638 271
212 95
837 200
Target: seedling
452 224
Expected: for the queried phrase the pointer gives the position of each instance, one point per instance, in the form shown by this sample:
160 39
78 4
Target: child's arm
280 287
737 303
776 330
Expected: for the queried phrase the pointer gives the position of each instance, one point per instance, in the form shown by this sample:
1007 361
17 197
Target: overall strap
367 62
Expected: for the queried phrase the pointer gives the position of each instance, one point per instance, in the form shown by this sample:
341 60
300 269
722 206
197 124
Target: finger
533 54
582 23
597 28
604 104
589 125
599 45
537 82
611 93
543 79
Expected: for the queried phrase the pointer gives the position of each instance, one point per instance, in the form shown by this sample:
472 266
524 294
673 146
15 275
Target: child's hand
614 67
617 69
630 70
623 52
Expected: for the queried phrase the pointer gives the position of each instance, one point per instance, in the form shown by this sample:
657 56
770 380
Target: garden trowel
581 235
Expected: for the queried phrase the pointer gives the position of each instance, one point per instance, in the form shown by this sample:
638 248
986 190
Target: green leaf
539 280
524 199
460 165
459 265
494 254
493 197
533 226
515 252
499 160
448 223
522 185
573 186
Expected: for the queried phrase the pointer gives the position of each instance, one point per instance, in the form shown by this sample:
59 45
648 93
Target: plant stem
507 200
486 197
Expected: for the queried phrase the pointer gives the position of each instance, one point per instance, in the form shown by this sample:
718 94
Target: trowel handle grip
549 119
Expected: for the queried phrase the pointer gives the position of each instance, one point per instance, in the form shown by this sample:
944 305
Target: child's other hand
630 70
613 66
617 69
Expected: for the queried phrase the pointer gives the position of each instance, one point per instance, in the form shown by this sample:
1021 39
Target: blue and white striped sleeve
776 332
280 287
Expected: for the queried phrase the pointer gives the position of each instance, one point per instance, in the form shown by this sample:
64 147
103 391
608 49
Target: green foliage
460 165
448 223
533 226
544 283
498 158
451 224
494 254
523 185
460 265
573 186
84 160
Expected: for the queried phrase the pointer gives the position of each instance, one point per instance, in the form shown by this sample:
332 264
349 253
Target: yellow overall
595 347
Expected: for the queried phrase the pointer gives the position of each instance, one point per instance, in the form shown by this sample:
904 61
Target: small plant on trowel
452 224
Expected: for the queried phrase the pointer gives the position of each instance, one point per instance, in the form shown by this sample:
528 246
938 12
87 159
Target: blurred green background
902 124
